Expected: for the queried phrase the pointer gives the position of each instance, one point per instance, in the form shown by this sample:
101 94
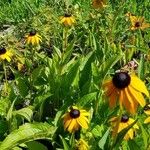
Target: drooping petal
147 120
113 99
139 85
121 97
130 133
8 58
82 122
147 112
71 126
137 96
132 101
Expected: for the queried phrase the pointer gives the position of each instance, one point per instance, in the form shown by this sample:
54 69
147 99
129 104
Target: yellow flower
127 89
67 20
138 23
82 145
75 118
119 124
33 38
99 4
147 111
5 54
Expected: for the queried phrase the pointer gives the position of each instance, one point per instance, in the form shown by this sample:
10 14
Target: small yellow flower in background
99 4
82 145
138 22
127 89
119 124
67 20
75 118
33 38
147 111
5 54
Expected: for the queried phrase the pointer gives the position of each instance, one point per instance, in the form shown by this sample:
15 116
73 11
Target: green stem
65 38
5 76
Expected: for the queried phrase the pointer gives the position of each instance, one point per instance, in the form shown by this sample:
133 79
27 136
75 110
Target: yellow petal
72 124
130 133
8 58
136 95
82 122
128 102
147 120
139 85
147 112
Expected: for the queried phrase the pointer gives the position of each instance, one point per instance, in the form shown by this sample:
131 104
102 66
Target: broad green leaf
3 127
4 106
86 99
68 53
103 140
27 132
71 75
22 86
133 145
86 69
144 135
27 113
35 145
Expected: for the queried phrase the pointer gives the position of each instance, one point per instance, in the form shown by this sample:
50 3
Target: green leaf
22 86
107 65
103 140
34 145
68 53
10 112
27 113
71 75
4 106
86 99
133 145
3 127
144 135
27 132
141 68
86 69
66 146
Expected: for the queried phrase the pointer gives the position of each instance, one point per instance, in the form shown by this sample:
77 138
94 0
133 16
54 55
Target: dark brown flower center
67 15
33 32
137 24
2 50
147 107
121 80
74 113
124 118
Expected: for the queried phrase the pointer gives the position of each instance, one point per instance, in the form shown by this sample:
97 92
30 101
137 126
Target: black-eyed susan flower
82 145
118 124
33 38
5 54
138 23
67 20
75 118
99 4
127 89
147 111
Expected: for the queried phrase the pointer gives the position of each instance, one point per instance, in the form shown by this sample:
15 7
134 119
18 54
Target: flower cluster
126 90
